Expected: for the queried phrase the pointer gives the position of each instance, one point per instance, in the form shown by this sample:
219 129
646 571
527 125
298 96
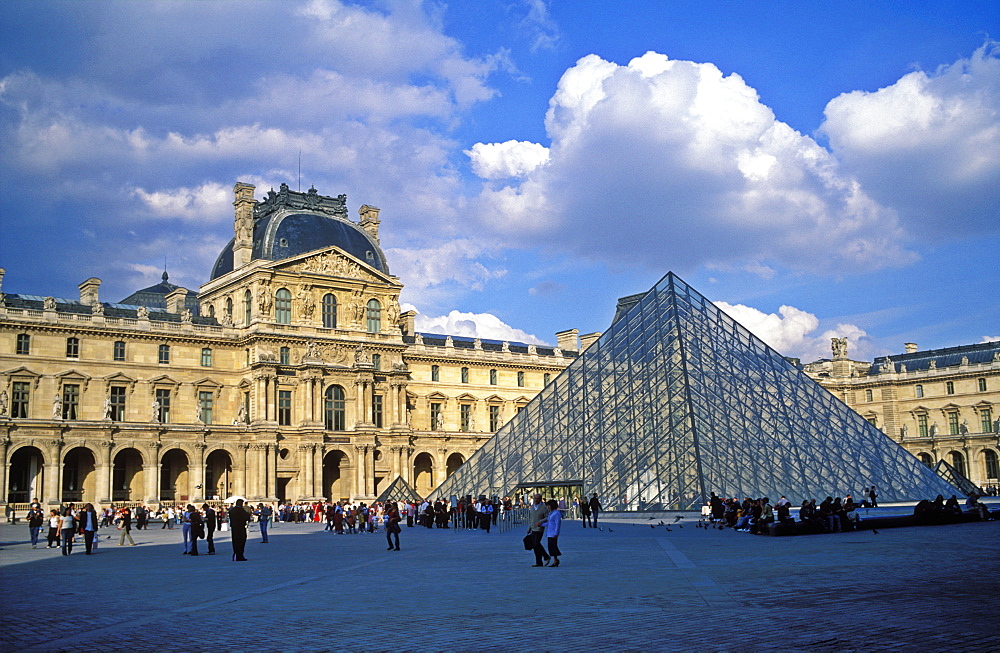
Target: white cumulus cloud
663 162
789 332
211 202
927 145
472 325
510 159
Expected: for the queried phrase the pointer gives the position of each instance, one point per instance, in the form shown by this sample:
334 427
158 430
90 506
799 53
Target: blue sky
821 169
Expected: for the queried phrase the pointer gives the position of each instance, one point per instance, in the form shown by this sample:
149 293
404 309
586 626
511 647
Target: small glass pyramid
677 400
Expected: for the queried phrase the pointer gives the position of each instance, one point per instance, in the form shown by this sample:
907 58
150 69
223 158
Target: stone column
240 476
5 471
440 466
198 472
305 470
370 471
359 402
104 475
261 489
318 471
151 475
359 470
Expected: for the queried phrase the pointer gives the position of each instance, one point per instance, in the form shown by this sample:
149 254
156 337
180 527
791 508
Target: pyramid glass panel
677 400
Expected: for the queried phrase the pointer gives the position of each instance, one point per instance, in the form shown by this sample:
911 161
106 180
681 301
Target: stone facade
300 379
941 404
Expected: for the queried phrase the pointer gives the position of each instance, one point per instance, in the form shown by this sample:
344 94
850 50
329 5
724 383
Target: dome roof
290 231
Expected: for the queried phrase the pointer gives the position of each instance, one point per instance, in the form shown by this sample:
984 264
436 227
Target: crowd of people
832 515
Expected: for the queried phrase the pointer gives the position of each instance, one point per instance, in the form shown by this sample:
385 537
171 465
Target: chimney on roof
408 320
911 347
176 299
589 339
369 220
243 224
88 291
568 340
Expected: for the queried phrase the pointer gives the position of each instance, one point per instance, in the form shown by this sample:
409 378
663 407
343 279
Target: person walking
239 517
553 524
392 528
595 508
211 523
264 514
53 536
537 513
191 526
873 497
89 523
35 520
126 527
485 514
585 512
67 527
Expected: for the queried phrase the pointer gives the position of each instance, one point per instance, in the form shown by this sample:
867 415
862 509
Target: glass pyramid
398 490
677 400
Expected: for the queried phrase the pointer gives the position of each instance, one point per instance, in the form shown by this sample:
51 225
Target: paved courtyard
630 587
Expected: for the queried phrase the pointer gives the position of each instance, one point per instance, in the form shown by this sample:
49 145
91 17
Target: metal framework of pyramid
677 400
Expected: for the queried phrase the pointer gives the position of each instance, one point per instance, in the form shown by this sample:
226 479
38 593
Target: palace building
292 374
939 404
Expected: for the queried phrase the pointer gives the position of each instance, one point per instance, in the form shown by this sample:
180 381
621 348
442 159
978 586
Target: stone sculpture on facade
4 404
241 415
142 313
57 407
839 347
155 412
49 303
107 408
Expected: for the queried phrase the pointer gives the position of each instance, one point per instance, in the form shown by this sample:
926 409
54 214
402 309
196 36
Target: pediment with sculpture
332 262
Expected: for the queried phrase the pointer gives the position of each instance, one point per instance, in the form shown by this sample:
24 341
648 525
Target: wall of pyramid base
677 400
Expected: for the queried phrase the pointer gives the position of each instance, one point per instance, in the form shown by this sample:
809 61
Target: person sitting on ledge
952 507
830 519
972 505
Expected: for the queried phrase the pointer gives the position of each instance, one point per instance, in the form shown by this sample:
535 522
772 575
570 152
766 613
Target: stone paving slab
629 587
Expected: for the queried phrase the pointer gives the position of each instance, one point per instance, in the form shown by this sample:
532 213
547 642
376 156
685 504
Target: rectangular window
465 375
246 407
986 420
922 425
377 411
72 347
119 350
520 379
435 373
494 418
546 378
285 356
164 354
23 344
163 410
953 423
868 395
982 385
493 377
206 357
435 416
19 400
284 407
949 387
919 391
377 361
117 397
70 401
465 411
872 421
205 404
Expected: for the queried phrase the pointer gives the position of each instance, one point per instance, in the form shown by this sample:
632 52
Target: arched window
329 311
211 310
229 307
374 316
992 464
247 307
958 462
926 459
334 409
283 306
